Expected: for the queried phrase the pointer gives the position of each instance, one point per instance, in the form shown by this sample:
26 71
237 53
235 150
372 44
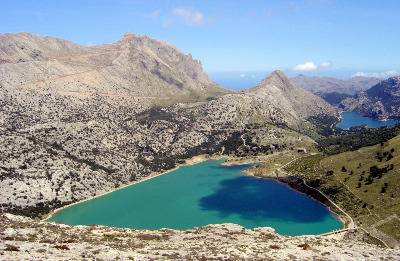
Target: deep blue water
202 194
352 119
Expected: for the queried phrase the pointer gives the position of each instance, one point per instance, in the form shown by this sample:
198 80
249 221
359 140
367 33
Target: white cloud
378 74
192 17
325 65
310 66
153 15
247 76
182 12
198 18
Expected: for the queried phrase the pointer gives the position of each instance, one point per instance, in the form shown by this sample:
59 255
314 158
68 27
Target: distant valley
370 97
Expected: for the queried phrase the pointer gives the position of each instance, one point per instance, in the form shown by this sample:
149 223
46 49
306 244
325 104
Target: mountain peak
276 78
280 92
277 75
128 34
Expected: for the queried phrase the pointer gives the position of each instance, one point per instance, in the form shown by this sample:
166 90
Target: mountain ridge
135 66
320 85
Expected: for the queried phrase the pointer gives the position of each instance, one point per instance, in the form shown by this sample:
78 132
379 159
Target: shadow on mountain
254 198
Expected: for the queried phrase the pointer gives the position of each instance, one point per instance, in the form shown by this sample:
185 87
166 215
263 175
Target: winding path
351 225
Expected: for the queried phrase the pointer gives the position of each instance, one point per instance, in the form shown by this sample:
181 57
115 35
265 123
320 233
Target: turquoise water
202 194
352 119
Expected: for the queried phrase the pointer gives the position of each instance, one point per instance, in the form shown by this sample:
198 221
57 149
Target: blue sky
236 39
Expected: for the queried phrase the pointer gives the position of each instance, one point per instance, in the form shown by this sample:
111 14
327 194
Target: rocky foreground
25 239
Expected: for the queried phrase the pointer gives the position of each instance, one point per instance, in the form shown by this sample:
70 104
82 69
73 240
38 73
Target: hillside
382 101
371 178
364 183
321 85
282 93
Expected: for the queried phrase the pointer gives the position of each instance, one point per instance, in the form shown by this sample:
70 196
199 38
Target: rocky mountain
78 121
294 101
136 67
320 85
382 101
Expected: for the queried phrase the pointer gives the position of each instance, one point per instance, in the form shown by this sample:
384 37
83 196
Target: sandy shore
188 162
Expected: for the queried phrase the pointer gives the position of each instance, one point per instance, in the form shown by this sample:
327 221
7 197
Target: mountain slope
283 94
382 101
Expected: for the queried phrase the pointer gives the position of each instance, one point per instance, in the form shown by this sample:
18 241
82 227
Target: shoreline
188 162
298 186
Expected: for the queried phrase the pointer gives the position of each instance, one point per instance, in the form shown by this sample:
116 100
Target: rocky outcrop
380 102
320 85
25 239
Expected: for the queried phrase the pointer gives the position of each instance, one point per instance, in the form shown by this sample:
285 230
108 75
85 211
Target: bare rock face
135 66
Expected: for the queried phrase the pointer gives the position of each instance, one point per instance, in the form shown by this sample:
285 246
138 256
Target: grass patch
365 183
274 162
392 228
372 179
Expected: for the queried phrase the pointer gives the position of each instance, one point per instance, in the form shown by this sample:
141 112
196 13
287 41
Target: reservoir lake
202 194
352 119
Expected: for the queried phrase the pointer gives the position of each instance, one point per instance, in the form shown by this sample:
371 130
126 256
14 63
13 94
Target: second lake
352 119
202 194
